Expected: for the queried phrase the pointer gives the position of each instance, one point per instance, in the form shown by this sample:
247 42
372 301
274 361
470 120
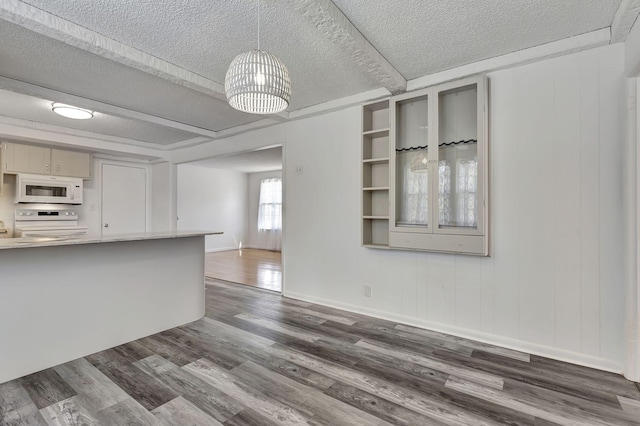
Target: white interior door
124 199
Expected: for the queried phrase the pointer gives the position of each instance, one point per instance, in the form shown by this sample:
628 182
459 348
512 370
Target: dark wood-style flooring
260 359
257 268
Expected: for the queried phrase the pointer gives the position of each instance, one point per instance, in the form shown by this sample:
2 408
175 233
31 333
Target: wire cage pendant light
257 82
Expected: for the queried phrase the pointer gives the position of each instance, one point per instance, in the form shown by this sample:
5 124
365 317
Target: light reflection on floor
258 268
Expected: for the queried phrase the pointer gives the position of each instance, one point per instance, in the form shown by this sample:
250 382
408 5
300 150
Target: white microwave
48 189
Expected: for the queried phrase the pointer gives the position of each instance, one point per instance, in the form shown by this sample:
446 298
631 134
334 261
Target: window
270 208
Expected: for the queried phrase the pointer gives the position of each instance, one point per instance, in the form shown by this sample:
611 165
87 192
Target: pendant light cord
258 24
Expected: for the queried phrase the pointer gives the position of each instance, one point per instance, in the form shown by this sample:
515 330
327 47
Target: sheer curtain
466 192
270 214
415 185
457 191
458 207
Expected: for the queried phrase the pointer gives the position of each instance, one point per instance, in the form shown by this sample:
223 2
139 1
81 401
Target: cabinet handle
106 225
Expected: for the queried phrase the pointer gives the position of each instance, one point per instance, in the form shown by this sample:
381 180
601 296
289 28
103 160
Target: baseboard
212 250
506 342
257 247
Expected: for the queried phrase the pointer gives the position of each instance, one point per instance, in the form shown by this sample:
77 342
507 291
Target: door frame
274 143
147 177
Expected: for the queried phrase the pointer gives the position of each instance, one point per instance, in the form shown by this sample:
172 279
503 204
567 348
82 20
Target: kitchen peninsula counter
30 242
64 298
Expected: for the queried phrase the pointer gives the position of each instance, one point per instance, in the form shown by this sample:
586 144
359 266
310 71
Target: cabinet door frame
393 160
482 155
432 237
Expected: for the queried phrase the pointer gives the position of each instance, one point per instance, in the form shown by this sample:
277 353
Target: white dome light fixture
71 111
257 82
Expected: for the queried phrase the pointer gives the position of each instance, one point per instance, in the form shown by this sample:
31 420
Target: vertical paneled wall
554 282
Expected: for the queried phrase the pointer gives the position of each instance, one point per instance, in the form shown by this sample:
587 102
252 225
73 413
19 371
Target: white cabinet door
71 163
124 199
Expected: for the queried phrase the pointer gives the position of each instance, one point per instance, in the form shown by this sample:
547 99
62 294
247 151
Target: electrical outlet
367 291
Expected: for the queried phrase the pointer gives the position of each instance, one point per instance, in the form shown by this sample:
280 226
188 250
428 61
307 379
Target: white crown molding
334 25
337 104
261 124
185 143
31 131
624 19
521 57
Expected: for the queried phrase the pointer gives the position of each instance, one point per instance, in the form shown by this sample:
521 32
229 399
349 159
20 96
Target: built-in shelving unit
375 175
438 174
424 170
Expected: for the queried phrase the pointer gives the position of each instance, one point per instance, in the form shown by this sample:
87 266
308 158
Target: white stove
47 223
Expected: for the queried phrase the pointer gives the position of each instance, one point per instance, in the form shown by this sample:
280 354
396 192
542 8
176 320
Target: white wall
163 197
554 282
89 212
253 239
216 200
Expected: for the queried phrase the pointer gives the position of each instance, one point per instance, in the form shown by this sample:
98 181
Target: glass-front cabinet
438 169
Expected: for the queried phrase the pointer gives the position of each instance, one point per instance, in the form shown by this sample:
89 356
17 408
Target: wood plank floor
260 359
257 268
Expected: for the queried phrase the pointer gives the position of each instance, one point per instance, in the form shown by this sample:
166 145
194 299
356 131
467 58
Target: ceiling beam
31 131
54 95
330 20
624 19
49 25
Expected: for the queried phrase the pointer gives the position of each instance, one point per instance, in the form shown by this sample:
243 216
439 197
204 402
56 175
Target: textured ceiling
204 36
420 37
42 49
263 160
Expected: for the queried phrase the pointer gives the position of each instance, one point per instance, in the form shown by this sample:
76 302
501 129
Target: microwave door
52 191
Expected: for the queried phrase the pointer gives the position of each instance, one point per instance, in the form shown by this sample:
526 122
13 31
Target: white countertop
28 242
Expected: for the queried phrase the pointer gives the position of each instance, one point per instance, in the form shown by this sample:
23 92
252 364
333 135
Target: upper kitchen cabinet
70 163
20 158
438 169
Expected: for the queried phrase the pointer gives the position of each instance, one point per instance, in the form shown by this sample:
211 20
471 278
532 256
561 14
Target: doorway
250 250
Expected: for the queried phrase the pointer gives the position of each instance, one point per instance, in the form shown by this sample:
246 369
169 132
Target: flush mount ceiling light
257 82
71 111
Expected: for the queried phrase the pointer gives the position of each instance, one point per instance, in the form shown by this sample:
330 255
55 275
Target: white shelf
376 246
376 217
376 133
381 160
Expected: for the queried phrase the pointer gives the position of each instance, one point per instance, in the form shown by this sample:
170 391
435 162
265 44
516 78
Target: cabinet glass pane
412 188
458 159
412 177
